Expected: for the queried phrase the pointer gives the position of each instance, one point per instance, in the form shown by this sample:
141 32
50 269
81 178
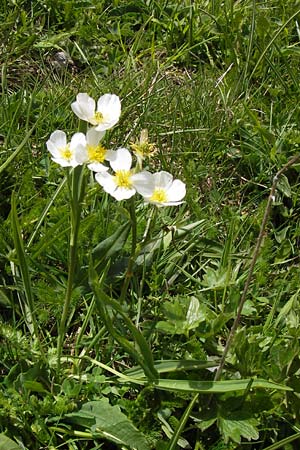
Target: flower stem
76 186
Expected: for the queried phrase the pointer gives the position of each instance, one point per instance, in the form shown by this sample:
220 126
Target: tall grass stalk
259 242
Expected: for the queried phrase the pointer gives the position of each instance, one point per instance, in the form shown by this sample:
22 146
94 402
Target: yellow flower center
123 179
159 196
96 153
66 152
98 117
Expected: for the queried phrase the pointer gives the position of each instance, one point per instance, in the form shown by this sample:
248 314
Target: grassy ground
216 84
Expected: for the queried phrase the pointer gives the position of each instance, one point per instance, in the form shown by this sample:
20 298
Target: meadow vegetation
124 325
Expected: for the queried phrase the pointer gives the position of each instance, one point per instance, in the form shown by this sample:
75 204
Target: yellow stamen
122 179
144 148
96 153
159 196
66 152
98 117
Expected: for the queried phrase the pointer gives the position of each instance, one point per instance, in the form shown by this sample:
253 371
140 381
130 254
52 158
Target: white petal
53 148
65 163
176 191
143 183
84 107
106 181
122 160
80 154
110 107
123 193
93 137
111 155
163 179
58 138
78 139
78 148
57 141
97 167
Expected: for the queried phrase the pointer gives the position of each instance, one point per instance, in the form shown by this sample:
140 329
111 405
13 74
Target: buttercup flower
105 116
160 188
93 152
121 185
62 152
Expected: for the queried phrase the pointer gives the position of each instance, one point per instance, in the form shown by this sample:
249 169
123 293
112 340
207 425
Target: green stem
146 235
76 186
129 271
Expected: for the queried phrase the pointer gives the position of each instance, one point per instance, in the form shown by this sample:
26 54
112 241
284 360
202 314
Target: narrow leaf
172 365
217 386
24 269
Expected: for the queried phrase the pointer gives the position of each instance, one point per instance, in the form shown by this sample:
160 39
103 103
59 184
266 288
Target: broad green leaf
236 428
102 418
8 444
183 315
110 246
193 315
289 312
34 386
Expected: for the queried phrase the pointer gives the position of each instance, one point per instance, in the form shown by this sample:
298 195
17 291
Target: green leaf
109 421
217 386
284 187
144 358
8 444
34 386
28 302
4 300
110 246
236 428
184 314
166 366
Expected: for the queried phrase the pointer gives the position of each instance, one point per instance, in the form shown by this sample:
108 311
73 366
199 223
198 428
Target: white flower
160 188
62 152
121 185
93 153
105 116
